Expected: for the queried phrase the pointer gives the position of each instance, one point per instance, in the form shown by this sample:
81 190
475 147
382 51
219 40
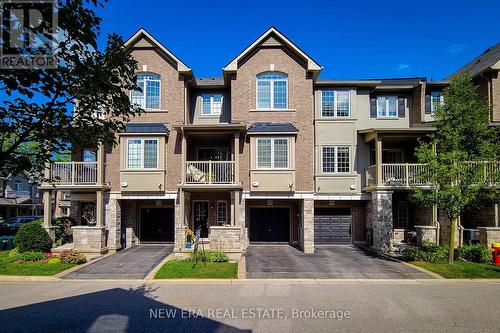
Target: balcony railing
416 174
74 173
210 172
17 193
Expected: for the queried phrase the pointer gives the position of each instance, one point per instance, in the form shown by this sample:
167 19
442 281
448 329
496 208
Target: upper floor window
211 105
387 106
142 153
335 103
89 155
18 185
335 159
437 99
272 91
272 153
149 97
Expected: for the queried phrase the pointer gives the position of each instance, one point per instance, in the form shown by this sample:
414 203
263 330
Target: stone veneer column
382 219
47 215
180 224
240 206
307 233
113 221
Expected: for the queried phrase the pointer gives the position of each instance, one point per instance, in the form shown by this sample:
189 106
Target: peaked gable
143 39
273 38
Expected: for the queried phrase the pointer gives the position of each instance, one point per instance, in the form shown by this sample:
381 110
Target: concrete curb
242 268
151 275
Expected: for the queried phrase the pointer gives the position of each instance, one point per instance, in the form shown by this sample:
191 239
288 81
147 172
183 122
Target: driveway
133 263
332 262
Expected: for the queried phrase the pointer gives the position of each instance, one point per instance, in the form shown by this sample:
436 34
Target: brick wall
300 98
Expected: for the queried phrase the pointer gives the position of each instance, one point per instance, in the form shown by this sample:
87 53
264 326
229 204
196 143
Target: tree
457 153
36 110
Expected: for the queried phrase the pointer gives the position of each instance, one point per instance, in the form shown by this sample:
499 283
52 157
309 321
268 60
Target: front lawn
178 269
461 270
10 266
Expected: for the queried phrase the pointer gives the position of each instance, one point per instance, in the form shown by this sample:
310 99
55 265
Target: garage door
269 224
332 226
157 224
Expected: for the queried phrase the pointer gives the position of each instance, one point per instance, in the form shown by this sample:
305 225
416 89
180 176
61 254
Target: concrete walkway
133 263
330 262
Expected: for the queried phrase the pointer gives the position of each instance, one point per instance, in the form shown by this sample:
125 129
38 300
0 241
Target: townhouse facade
269 152
19 196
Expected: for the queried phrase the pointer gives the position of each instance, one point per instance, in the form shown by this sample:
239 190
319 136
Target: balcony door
213 154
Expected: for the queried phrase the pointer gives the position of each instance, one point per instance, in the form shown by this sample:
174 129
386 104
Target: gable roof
269 38
489 59
181 67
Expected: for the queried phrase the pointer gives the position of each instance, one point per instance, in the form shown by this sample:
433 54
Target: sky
353 39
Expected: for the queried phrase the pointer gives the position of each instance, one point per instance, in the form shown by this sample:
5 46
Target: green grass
9 266
461 270
177 269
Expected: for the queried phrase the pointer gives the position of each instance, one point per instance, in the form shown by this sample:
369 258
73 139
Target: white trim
167 196
181 67
335 153
340 197
212 110
335 100
217 209
387 116
441 100
250 195
142 139
271 92
272 153
144 92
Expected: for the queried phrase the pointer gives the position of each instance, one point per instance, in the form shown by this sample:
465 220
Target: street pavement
250 306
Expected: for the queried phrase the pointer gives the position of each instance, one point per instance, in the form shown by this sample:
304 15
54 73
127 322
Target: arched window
149 98
272 91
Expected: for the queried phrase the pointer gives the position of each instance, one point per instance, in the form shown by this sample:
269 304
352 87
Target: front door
201 217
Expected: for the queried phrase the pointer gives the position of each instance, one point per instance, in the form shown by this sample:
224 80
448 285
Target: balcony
73 175
406 175
210 172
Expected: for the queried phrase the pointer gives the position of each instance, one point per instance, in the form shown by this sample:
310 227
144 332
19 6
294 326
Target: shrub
474 253
208 256
72 257
31 256
54 261
219 257
14 253
63 231
427 252
32 237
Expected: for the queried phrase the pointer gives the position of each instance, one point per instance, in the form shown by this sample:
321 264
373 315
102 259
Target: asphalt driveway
133 263
332 262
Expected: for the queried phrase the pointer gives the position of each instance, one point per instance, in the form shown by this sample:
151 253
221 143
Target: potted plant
189 238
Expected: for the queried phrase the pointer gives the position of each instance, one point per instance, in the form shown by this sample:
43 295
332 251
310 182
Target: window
149 97
402 220
272 91
221 212
335 103
387 106
142 153
18 185
211 105
335 159
89 155
272 153
437 99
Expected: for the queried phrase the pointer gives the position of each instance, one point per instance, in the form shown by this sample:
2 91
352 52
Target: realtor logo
29 34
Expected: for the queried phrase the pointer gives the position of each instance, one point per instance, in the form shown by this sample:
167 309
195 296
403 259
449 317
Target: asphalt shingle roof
272 127
146 128
487 59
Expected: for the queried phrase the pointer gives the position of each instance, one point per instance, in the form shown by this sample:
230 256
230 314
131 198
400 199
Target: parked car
12 225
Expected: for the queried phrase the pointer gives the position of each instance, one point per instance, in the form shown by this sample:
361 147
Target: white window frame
212 110
335 100
335 156
271 96
226 217
142 139
144 92
18 182
441 101
387 106
272 153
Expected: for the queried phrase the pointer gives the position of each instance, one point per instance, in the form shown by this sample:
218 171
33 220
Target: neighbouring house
268 152
19 196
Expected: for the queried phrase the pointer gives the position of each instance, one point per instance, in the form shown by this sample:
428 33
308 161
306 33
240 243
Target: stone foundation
381 209
426 233
90 240
307 232
113 222
227 239
490 235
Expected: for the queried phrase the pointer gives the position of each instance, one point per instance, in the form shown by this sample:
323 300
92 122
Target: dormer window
149 97
211 105
272 91
437 99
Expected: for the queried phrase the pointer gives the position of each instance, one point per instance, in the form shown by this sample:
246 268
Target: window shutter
401 107
427 104
373 107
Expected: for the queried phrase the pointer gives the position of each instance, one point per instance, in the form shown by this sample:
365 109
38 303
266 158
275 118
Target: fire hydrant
495 247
